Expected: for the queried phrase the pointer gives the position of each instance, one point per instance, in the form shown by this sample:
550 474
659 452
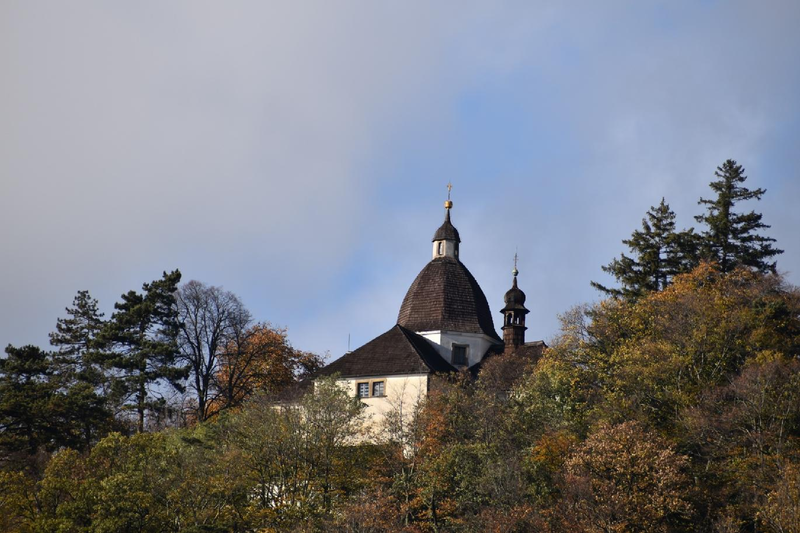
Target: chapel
444 325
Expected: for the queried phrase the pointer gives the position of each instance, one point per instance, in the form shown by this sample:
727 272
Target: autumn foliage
679 411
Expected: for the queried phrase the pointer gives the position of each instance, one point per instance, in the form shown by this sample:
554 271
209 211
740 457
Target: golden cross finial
515 271
448 204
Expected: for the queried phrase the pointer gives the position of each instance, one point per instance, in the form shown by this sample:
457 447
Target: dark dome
514 298
447 231
445 296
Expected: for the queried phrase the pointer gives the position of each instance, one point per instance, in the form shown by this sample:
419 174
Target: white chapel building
444 325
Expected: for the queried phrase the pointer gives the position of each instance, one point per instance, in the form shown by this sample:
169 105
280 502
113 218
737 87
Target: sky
297 153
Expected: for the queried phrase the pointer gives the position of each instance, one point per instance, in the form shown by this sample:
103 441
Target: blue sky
297 154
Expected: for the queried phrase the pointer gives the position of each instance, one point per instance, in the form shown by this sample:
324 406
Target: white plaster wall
449 249
443 342
402 392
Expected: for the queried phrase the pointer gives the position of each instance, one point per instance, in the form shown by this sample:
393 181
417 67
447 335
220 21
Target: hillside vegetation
671 406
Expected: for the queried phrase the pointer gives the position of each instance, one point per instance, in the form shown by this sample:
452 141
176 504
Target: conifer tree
75 337
40 410
26 400
731 239
658 253
142 338
79 370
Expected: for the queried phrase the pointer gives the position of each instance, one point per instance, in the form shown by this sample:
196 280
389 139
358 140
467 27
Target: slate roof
447 231
398 351
514 362
445 296
530 350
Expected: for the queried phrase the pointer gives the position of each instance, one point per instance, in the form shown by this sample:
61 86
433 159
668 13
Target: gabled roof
446 297
398 351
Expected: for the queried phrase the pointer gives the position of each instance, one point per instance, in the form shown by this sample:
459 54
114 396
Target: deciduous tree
210 319
260 359
625 478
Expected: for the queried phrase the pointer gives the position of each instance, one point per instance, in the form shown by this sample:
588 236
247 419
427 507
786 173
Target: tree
659 253
260 359
27 402
79 366
75 336
39 412
142 338
625 478
744 434
731 239
209 319
297 459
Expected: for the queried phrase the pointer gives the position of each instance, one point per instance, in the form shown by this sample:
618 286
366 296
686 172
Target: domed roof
514 298
445 296
446 232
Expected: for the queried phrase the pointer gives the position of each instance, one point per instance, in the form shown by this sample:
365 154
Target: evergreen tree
731 239
26 402
78 365
39 411
75 337
658 254
142 338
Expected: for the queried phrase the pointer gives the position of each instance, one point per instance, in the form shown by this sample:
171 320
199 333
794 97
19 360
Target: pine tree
40 410
79 367
142 337
658 254
731 239
26 400
75 337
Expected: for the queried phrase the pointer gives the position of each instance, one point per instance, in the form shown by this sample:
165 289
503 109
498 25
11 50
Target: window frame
453 347
370 383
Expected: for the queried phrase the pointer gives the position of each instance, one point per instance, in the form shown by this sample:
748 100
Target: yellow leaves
626 478
17 502
551 450
781 511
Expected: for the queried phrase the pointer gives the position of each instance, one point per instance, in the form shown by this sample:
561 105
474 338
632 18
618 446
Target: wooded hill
673 405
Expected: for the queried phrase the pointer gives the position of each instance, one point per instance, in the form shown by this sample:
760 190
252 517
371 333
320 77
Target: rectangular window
459 354
378 388
363 390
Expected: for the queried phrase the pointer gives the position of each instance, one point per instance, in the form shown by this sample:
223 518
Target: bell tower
514 315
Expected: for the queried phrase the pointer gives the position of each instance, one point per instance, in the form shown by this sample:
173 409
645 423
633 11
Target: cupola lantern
514 315
446 239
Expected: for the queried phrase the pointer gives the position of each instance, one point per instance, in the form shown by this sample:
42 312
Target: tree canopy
731 238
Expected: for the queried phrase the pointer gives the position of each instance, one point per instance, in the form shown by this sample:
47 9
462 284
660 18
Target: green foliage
676 411
141 343
76 340
40 411
659 254
731 239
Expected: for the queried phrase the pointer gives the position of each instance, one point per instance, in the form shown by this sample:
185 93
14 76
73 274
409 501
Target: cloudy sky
297 153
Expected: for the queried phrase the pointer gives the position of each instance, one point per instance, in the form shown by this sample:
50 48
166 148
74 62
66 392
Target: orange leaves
261 359
625 478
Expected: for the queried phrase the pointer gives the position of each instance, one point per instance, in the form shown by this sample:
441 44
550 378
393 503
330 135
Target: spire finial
448 204
515 271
